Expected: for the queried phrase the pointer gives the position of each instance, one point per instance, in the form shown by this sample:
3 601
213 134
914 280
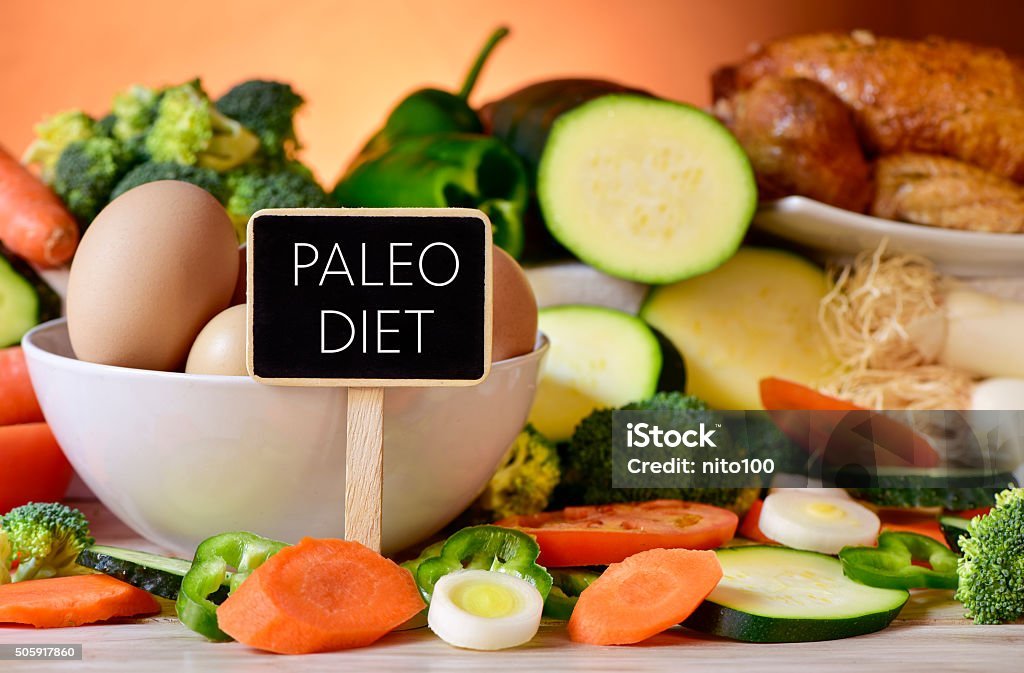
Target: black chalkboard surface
369 297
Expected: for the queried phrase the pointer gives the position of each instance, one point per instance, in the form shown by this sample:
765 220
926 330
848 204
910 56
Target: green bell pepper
427 112
445 170
243 551
567 585
890 565
494 548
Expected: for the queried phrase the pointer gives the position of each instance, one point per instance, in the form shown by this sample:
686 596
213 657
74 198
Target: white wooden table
930 636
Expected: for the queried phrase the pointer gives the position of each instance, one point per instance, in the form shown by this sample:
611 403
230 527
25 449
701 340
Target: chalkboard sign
369 297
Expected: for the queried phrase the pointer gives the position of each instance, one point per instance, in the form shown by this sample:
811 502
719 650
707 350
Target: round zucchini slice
645 189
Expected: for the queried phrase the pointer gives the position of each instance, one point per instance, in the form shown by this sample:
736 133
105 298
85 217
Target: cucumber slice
159 575
780 595
25 299
645 189
952 528
599 357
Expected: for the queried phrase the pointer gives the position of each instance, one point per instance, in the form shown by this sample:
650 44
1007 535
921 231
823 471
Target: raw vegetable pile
643 191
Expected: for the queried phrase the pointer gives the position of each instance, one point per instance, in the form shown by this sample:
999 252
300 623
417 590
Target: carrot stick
72 601
750 528
32 466
320 596
18 403
34 223
644 595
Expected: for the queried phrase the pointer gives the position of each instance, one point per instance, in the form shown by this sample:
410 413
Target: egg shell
153 268
514 325
220 346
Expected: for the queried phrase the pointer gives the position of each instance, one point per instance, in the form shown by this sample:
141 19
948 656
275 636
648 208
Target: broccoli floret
5 557
991 569
47 538
86 174
151 171
266 108
253 188
587 463
53 135
189 130
134 111
105 126
524 481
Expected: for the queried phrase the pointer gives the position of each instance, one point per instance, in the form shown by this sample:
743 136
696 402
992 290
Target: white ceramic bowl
180 457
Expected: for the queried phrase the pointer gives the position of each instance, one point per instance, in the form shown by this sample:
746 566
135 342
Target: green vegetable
429 112
781 595
567 585
587 462
599 357
53 135
151 171
953 529
668 195
244 552
943 489
525 479
890 565
502 550
86 174
189 130
266 108
992 567
133 112
25 299
159 575
46 538
413 565
444 170
5 557
253 188
431 153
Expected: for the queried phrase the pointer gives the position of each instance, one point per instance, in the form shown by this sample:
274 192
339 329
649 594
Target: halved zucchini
781 595
25 299
599 357
159 575
953 527
645 189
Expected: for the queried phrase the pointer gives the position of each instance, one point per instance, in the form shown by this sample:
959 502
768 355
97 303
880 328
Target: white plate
839 233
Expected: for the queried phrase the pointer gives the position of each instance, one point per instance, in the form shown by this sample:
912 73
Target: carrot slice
320 595
750 528
644 595
72 601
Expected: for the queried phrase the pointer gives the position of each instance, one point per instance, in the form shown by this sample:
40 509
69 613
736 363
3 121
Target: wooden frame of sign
281 351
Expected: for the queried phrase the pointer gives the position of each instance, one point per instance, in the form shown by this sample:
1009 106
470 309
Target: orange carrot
18 403
750 528
72 601
644 595
32 466
319 596
34 223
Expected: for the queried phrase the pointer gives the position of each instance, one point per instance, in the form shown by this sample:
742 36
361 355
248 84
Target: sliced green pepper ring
567 585
243 551
494 548
890 565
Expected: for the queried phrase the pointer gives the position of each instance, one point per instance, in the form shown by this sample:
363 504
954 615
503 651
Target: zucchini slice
953 527
25 299
159 575
599 357
645 189
781 595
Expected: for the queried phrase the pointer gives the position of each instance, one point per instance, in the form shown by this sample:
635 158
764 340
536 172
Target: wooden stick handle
364 466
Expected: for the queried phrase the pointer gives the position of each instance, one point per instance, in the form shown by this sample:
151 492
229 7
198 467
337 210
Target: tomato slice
971 513
750 526
32 466
603 534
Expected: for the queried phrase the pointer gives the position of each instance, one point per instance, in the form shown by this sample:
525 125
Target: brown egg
153 268
220 347
514 327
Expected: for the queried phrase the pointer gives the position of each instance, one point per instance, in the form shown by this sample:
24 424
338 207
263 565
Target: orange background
353 60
